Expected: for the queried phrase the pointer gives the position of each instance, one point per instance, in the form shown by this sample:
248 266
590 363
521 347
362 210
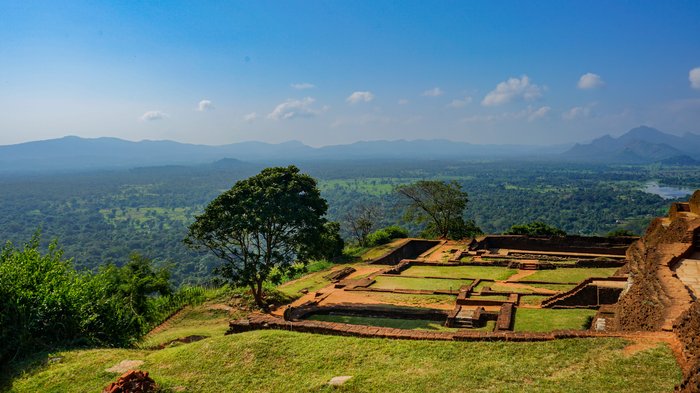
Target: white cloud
360 96
590 81
539 113
153 116
694 78
434 92
403 101
291 109
577 112
302 86
512 89
205 105
457 103
250 117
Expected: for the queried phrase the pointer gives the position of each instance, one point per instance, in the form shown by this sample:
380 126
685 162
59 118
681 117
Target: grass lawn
507 288
574 274
533 300
398 282
281 361
494 297
484 272
554 287
411 324
413 300
379 251
546 320
192 321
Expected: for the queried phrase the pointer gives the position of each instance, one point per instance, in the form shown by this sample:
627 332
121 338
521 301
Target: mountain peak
643 132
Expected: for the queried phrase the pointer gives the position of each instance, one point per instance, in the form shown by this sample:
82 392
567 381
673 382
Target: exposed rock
134 381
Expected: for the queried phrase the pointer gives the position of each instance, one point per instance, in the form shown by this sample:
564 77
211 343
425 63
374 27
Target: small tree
440 205
361 220
536 228
262 223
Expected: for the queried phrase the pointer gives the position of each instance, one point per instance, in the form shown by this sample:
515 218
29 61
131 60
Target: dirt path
521 274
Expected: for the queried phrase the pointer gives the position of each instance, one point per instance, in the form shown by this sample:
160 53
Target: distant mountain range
641 145
638 146
75 153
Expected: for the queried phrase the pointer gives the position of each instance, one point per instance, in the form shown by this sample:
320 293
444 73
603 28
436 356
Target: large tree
262 223
440 205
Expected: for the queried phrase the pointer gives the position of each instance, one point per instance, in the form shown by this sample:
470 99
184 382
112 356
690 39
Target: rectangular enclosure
398 282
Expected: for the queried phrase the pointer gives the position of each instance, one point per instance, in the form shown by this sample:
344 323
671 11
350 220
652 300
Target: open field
279 361
398 282
483 272
574 274
545 320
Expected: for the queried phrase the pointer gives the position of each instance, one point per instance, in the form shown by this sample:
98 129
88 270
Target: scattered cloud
403 101
153 116
250 117
434 92
205 105
539 113
291 109
302 86
590 81
577 112
460 103
694 78
360 96
512 89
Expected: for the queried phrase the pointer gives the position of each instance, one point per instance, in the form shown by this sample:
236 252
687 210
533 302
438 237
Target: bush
46 303
535 229
386 235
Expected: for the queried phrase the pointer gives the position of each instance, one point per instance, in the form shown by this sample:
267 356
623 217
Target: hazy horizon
328 73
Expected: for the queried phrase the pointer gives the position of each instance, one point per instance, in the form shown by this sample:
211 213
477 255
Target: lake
666 192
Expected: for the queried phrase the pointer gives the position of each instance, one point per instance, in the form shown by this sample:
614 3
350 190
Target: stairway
467 318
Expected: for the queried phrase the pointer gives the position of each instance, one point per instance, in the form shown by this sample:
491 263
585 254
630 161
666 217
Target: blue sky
538 72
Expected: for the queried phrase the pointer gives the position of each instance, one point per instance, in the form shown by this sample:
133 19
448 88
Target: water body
666 192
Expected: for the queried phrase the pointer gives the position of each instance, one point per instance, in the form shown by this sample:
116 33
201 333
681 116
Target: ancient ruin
491 287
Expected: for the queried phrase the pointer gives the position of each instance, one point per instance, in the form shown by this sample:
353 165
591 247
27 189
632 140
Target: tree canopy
536 228
440 205
262 223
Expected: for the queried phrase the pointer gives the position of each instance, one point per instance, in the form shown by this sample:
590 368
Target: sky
215 72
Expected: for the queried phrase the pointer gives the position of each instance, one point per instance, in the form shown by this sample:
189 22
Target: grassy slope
280 361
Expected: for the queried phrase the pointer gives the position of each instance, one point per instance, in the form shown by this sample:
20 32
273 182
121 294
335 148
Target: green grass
533 300
484 272
398 282
494 297
379 251
573 274
411 324
545 320
312 282
413 300
554 287
192 321
281 361
506 288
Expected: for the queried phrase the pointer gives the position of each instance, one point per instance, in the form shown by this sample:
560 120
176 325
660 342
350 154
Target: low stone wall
566 244
258 321
505 318
366 310
409 250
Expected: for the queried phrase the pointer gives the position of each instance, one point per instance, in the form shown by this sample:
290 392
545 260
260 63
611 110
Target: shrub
386 235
